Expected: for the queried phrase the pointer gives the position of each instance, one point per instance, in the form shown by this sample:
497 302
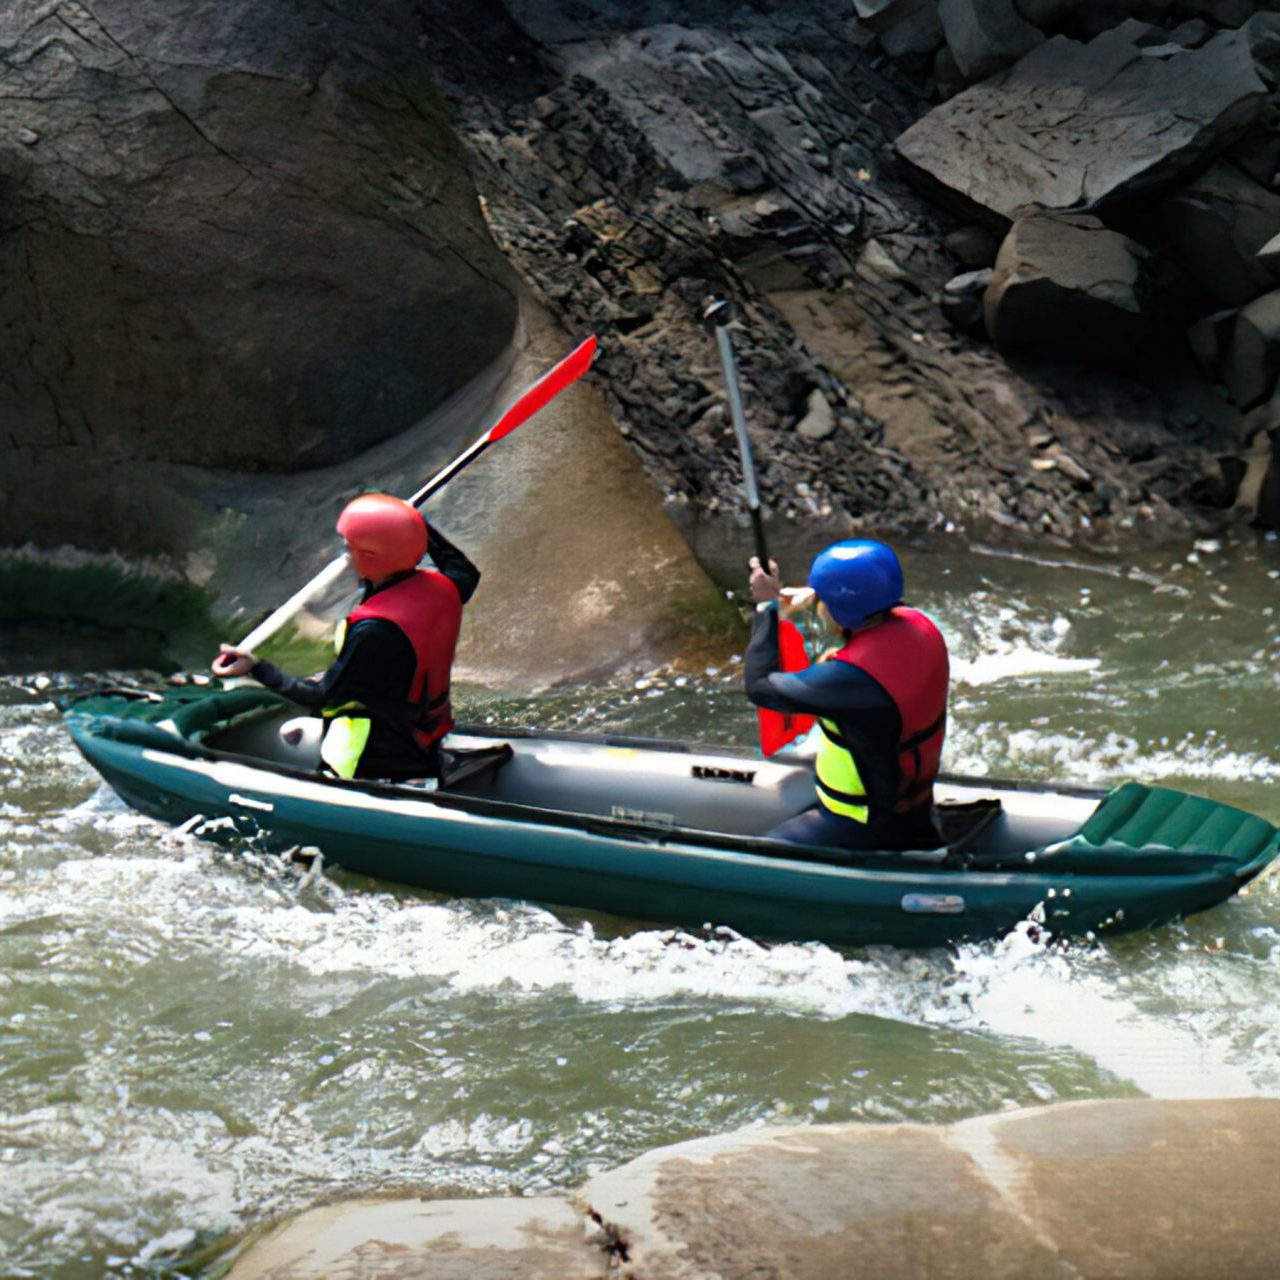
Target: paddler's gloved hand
233 662
764 586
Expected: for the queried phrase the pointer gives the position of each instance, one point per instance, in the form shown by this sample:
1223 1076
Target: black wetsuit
375 668
867 718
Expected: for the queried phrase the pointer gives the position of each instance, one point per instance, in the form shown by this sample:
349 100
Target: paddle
554 381
777 728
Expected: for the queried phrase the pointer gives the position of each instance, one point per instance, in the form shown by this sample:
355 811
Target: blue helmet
855 579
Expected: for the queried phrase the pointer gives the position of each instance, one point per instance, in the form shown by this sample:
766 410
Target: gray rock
1226 13
1258 152
914 30
1270 252
1069 287
1192 33
819 420
985 35
247 238
875 260
972 246
1077 126
1046 14
1217 225
1251 362
947 79
1209 338
962 301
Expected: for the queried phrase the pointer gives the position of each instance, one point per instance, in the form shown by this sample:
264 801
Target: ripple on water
193 1036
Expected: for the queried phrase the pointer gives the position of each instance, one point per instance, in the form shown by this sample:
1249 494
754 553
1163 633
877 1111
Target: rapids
194 1036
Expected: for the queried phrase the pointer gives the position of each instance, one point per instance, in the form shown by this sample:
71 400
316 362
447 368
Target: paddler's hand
233 662
764 586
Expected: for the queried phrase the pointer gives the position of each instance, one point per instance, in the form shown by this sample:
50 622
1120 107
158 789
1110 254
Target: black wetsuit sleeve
376 654
829 689
452 563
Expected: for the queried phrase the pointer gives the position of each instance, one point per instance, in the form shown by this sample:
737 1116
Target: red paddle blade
777 728
554 381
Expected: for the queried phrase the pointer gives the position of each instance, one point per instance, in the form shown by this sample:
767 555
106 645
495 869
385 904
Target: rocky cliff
982 250
997 262
232 234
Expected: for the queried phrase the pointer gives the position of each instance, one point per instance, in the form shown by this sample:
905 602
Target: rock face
1120 1190
574 547
1077 125
661 161
1217 225
1067 286
245 235
985 35
1251 362
231 234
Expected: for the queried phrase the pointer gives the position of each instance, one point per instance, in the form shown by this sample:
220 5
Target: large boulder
985 35
1124 1188
232 233
1076 125
1216 226
1067 286
1251 360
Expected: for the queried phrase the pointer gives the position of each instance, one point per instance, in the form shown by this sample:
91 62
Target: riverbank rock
231 235
300 216
1218 226
1127 1189
1067 286
1251 361
1079 125
985 35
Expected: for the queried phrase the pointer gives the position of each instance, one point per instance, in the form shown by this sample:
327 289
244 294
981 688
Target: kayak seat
470 769
961 823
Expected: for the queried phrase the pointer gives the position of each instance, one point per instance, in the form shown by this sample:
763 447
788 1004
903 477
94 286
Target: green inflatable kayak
666 832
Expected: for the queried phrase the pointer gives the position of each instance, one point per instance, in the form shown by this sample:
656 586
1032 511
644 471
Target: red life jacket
427 608
907 656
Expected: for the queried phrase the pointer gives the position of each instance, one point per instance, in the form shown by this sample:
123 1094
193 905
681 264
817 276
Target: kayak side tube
478 847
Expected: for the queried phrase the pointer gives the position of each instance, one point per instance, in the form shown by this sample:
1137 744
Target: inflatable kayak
666 832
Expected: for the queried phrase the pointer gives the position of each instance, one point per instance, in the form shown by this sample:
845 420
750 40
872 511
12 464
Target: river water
194 1038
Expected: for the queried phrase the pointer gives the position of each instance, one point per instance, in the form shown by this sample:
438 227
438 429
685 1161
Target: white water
193 1037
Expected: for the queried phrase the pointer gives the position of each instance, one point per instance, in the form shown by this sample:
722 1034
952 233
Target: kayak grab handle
138 733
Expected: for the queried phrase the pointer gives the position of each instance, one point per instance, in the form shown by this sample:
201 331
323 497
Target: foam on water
195 1035
1018 987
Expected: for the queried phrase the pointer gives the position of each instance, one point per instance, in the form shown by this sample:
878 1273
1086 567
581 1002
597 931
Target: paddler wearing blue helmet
880 701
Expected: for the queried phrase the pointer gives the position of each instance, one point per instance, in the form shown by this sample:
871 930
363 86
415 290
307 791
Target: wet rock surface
267 227
1123 1189
231 235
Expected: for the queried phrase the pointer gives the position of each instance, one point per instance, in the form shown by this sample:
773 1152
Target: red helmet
384 535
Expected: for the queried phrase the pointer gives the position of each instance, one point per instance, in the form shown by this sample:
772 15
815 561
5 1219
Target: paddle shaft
776 728
569 370
738 418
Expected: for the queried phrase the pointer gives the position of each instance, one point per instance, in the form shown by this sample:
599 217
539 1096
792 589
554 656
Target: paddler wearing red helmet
385 700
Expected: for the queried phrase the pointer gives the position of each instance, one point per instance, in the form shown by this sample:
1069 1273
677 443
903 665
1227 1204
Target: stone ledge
1126 1189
